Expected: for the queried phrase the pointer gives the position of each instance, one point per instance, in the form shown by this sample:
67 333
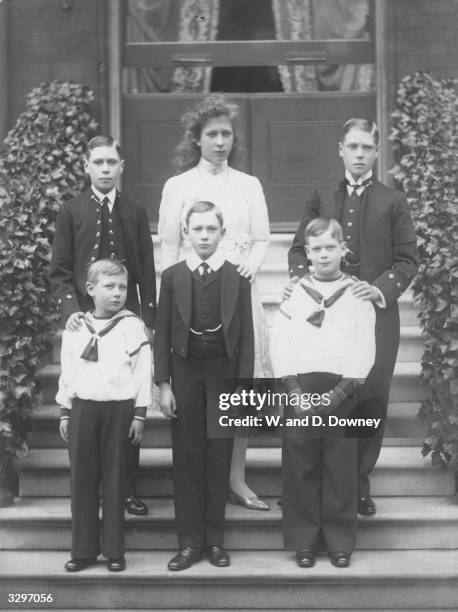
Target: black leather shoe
76 565
339 559
185 558
116 565
218 556
366 505
305 557
135 506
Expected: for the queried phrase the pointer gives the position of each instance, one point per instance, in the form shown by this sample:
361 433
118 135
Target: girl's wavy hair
187 152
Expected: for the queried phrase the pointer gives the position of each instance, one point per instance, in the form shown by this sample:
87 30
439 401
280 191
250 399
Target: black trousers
319 480
133 450
376 391
97 449
201 463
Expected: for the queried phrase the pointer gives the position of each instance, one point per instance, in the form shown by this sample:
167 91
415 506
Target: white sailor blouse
323 327
107 360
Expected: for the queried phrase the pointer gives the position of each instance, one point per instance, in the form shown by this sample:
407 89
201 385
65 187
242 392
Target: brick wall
422 35
48 42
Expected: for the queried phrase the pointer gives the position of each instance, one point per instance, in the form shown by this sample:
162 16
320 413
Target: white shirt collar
360 181
111 195
215 261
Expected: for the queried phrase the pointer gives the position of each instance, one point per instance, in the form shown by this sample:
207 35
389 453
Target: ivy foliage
425 136
40 167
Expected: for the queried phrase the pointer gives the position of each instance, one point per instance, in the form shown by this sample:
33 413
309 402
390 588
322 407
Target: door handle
193 60
314 57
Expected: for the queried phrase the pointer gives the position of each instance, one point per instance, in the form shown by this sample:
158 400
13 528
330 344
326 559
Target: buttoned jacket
76 245
388 255
173 321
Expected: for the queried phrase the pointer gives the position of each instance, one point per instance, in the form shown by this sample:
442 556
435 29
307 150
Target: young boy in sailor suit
104 390
204 333
380 237
323 342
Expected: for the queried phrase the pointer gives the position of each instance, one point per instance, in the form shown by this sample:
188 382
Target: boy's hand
364 291
288 289
74 321
136 431
302 412
63 429
246 272
150 334
167 401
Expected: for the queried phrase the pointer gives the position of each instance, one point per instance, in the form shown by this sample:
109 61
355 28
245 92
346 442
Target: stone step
399 471
402 423
43 523
405 386
377 580
264 609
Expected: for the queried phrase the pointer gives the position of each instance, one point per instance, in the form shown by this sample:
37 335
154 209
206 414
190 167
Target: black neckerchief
317 317
91 352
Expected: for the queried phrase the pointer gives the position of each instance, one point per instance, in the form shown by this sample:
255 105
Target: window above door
291 46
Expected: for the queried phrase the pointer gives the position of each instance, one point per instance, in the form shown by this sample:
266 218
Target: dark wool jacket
76 241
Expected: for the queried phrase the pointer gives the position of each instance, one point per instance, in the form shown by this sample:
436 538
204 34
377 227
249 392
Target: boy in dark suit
204 333
103 223
380 236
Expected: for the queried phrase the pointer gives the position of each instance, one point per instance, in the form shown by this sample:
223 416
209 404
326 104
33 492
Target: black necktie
204 271
105 248
355 186
105 211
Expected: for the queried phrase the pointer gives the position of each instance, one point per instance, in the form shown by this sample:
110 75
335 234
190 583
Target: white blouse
241 200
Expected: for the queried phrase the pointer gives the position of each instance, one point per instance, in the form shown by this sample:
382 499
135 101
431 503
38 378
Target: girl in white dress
209 145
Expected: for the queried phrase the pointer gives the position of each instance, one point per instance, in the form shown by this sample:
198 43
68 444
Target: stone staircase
406 555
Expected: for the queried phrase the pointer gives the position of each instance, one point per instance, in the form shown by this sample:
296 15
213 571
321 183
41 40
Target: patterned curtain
323 19
170 21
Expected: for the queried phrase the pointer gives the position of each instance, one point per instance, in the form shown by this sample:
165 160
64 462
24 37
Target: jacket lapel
183 290
125 218
339 200
229 293
127 228
91 212
367 194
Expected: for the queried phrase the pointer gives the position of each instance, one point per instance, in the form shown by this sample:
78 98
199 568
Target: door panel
151 131
294 146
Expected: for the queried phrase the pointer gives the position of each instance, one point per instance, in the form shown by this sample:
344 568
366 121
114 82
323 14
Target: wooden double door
290 142
290 138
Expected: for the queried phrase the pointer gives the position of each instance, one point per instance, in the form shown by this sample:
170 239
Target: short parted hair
195 120
103 141
203 207
365 125
110 267
320 225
